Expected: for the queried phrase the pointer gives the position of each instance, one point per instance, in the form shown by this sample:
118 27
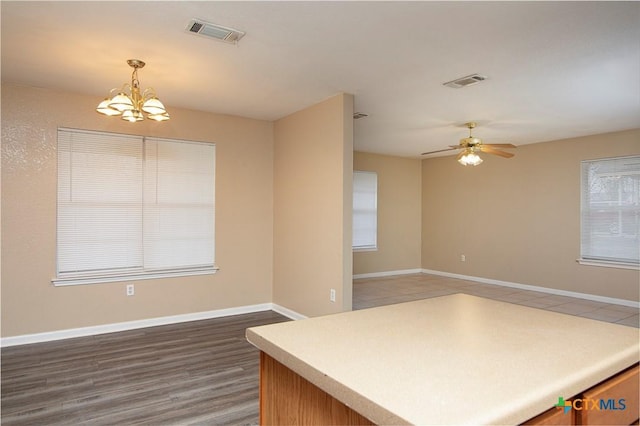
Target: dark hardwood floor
201 372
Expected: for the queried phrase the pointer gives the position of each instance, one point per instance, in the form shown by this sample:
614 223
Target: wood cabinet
288 399
615 401
555 417
621 395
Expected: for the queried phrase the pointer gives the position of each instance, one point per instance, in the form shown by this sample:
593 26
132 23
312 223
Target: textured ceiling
555 69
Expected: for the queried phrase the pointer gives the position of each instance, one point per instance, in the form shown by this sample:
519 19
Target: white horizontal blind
133 206
365 210
610 210
179 204
99 202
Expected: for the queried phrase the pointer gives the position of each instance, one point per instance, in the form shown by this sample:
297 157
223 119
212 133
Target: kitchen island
455 359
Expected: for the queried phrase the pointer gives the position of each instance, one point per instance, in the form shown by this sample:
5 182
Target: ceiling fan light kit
129 102
470 147
469 158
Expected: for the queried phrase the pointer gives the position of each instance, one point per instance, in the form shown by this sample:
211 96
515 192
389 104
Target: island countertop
455 359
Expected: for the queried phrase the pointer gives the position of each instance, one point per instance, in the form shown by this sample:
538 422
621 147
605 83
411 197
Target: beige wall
312 183
283 215
518 220
244 217
399 214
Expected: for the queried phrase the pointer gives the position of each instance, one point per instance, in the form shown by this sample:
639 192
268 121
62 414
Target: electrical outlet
332 295
463 258
130 290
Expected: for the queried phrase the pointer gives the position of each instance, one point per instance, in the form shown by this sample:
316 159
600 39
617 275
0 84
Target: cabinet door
623 386
554 416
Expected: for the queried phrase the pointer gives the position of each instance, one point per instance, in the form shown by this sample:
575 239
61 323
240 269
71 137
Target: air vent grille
465 81
214 31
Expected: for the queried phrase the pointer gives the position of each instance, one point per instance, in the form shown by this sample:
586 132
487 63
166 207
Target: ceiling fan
471 146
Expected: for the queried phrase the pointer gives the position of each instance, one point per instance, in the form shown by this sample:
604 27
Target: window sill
362 249
609 264
66 281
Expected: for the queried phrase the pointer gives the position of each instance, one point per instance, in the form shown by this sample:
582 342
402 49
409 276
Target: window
131 207
610 226
365 210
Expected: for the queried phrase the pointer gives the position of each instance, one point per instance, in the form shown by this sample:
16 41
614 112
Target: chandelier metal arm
149 93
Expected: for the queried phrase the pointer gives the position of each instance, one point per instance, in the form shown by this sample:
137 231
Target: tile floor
370 292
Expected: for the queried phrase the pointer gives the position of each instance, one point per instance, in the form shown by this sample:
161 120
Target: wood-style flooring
371 292
201 372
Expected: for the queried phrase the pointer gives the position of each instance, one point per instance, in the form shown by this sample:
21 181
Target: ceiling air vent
217 32
465 81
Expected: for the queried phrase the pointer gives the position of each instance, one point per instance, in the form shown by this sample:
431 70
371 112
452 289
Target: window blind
365 210
129 205
610 210
179 205
99 202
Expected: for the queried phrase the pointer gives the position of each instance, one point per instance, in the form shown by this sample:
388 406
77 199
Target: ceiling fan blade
491 150
500 145
440 150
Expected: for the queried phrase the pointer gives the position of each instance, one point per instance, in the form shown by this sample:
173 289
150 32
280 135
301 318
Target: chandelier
469 157
130 102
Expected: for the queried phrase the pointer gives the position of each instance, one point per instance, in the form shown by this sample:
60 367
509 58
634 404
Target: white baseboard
586 296
388 273
151 322
287 312
174 319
